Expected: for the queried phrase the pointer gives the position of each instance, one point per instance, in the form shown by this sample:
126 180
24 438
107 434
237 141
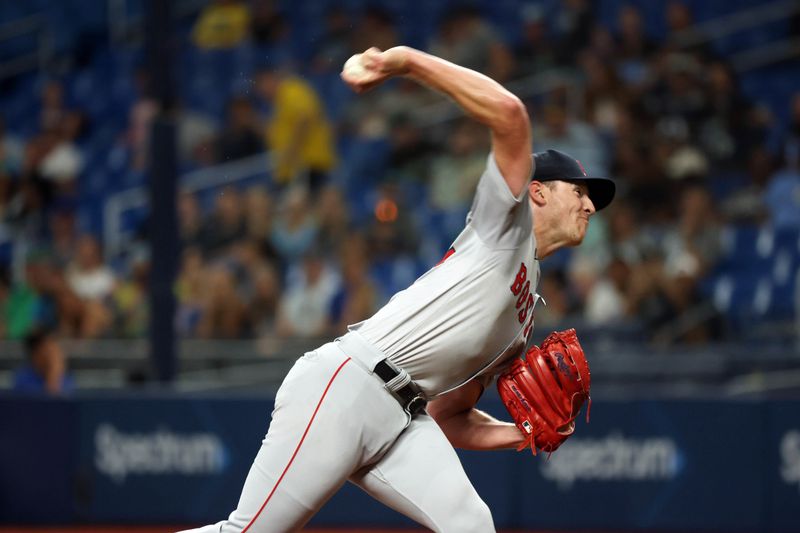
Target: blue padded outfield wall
658 464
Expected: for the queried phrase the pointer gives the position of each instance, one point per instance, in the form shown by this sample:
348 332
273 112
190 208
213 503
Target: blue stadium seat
746 249
736 296
785 268
756 277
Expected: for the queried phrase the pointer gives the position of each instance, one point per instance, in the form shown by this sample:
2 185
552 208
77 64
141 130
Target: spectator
129 301
682 33
633 162
558 131
259 222
269 26
602 45
82 295
393 241
240 137
6 327
373 116
333 219
455 174
59 307
607 302
782 196
357 296
225 226
262 305
392 233
25 212
87 275
573 22
244 259
790 143
724 133
698 230
190 291
259 218
222 24
195 135
746 204
62 161
663 288
63 236
783 192
295 230
52 110
304 305
552 313
195 130
410 151
466 39
375 28
11 152
678 96
605 95
23 306
536 52
334 46
190 220
51 165
223 312
140 118
626 239
298 133
675 152
634 48
46 369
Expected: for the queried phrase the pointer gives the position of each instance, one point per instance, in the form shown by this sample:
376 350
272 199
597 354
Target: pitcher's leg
307 453
305 457
331 417
422 477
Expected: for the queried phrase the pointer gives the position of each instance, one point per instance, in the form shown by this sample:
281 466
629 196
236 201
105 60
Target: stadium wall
668 465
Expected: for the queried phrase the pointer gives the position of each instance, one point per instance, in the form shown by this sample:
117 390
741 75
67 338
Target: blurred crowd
365 192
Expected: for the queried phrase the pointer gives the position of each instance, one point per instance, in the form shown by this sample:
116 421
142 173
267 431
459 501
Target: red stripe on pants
298 447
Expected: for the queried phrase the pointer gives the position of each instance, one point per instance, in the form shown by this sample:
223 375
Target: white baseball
354 67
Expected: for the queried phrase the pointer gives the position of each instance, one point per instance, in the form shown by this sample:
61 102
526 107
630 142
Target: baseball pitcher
384 405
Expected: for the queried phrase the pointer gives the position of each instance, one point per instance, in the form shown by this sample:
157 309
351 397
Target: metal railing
766 54
208 364
115 238
35 25
743 20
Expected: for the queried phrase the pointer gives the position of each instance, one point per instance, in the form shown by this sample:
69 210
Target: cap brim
601 191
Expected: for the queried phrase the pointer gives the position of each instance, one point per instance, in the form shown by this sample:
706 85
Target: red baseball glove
545 391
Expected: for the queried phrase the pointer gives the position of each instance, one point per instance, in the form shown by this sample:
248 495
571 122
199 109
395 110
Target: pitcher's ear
536 192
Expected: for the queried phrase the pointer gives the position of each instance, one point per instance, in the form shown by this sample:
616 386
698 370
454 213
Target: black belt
411 397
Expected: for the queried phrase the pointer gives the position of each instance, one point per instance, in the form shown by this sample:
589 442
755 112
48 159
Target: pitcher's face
572 209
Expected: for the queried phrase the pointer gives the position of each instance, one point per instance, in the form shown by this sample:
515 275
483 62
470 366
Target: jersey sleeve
486 380
500 219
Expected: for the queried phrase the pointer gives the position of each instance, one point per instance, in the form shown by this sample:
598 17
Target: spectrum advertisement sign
650 465
662 465
166 458
784 451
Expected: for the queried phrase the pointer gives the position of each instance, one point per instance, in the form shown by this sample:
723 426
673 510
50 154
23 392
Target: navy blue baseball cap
552 165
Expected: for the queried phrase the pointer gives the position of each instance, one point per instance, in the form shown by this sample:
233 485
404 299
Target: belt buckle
416 404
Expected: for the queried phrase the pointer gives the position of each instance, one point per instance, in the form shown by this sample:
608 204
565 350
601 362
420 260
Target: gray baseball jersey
335 421
473 309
